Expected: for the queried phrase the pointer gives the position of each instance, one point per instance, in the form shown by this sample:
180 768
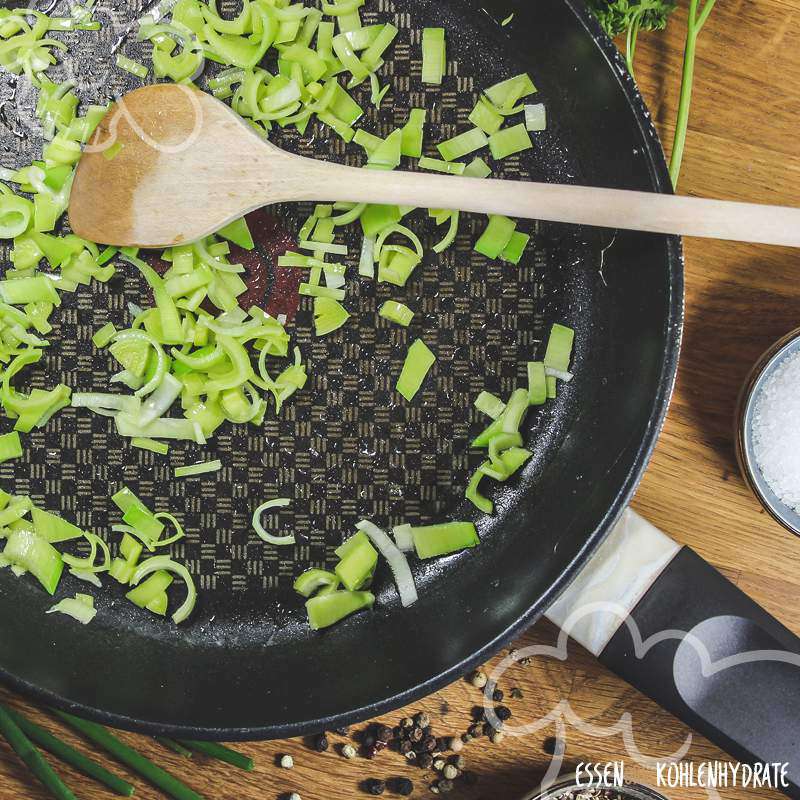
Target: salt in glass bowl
745 451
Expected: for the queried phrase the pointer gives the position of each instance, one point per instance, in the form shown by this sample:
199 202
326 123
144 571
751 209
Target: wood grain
742 144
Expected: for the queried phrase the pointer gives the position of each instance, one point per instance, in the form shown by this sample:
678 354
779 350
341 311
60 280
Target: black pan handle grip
703 650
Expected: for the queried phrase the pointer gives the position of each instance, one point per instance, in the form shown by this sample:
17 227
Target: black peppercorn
497 695
343 731
475 730
466 738
411 756
376 786
321 743
503 713
422 719
425 760
458 761
427 730
442 743
406 746
429 744
445 785
516 693
402 786
478 713
397 731
368 740
384 733
488 728
406 722
370 752
379 745
416 735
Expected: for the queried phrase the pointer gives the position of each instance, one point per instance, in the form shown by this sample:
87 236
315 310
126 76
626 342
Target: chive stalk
220 753
106 740
176 747
69 755
32 758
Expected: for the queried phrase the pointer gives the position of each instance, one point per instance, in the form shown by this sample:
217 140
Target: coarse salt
776 431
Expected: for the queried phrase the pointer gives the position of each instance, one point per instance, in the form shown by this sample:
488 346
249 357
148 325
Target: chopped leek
535 117
418 362
80 608
156 563
396 312
509 141
434 55
506 94
537 384
270 538
325 610
149 444
477 168
134 67
413 132
473 494
462 145
10 446
329 316
312 580
496 236
52 528
449 167
443 539
198 469
486 117
489 404
357 561
513 251
31 552
559 348
104 335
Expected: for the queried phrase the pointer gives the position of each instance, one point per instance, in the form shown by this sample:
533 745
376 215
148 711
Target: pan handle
668 623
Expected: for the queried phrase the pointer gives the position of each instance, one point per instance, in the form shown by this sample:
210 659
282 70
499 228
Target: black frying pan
246 665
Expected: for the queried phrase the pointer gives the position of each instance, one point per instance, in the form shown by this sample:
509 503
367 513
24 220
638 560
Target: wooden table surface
743 144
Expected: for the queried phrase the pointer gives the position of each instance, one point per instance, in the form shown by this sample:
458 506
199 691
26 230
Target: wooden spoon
171 164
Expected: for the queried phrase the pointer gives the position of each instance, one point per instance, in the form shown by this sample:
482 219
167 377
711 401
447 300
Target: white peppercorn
287 762
450 772
348 751
478 679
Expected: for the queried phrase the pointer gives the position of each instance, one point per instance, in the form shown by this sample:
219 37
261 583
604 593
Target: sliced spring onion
151 589
321 291
396 312
496 236
150 444
313 580
198 469
270 538
418 362
509 141
325 610
515 411
450 236
448 167
10 446
156 563
396 559
537 384
434 55
463 144
81 608
440 540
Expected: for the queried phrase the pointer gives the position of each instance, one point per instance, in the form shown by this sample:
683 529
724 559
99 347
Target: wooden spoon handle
583 205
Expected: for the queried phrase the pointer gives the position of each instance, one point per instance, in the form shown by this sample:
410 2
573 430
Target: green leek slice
445 538
418 362
34 554
358 559
325 610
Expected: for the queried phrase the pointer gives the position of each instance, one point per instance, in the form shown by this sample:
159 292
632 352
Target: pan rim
674 325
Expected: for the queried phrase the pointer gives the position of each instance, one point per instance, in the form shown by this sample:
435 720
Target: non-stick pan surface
246 665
